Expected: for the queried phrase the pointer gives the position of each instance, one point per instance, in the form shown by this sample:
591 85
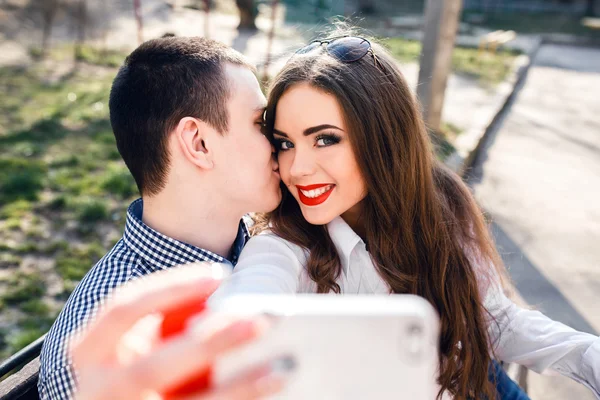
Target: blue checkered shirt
141 251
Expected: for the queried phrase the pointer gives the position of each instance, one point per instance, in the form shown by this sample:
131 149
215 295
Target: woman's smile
313 195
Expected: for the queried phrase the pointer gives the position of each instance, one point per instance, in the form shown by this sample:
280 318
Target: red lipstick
314 201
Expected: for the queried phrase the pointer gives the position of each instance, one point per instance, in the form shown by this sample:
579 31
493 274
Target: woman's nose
303 164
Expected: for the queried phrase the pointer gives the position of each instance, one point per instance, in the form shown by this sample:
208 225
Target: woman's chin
317 218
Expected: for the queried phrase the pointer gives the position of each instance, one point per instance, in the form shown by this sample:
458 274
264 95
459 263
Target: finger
256 384
156 292
189 354
139 340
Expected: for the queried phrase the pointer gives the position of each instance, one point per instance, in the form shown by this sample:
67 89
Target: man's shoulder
117 267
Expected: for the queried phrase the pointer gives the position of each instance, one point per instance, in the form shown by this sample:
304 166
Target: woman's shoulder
267 242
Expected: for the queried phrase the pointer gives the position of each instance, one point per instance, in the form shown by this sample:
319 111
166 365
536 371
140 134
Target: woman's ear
192 136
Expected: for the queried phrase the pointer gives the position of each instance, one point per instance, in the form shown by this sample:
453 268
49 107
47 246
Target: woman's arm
530 338
103 372
267 265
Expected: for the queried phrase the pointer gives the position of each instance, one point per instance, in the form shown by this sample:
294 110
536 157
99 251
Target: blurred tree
207 7
49 8
366 6
248 13
81 21
103 24
591 8
137 8
441 26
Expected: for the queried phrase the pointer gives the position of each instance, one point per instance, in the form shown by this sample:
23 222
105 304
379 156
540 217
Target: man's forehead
240 77
244 86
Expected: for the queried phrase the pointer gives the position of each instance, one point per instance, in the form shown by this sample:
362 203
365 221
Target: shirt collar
344 238
161 251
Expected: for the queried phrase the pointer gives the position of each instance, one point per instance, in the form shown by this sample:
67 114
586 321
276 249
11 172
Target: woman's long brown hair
425 233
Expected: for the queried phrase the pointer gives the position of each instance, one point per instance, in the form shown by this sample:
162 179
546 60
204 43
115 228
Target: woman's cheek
284 169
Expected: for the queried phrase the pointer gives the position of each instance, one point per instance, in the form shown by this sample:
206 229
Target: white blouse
270 264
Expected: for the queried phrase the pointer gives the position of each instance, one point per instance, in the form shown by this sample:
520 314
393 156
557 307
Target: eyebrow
311 130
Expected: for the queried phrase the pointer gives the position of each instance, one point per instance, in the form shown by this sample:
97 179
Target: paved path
539 178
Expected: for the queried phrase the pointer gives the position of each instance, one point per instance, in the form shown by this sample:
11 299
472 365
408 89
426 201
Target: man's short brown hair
161 82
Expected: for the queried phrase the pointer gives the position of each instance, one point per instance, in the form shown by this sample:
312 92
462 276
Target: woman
367 208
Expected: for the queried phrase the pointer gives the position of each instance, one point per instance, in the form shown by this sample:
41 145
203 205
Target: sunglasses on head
346 49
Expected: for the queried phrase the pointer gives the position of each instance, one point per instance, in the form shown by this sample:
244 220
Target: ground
539 180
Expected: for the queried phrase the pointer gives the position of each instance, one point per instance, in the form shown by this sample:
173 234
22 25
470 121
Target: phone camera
414 343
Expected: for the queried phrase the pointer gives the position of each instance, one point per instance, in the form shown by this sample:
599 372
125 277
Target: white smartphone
343 347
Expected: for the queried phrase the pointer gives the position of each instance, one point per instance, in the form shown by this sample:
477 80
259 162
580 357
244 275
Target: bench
22 384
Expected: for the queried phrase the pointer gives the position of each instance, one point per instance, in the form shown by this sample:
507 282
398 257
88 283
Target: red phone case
174 323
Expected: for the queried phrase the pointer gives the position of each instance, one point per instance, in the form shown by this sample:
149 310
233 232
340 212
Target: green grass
16 209
59 170
9 260
33 326
74 263
20 179
119 181
57 203
23 287
27 247
13 224
35 307
25 337
487 67
56 247
403 50
95 56
86 54
533 23
92 211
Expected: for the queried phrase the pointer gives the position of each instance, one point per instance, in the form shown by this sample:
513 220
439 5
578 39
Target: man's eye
261 126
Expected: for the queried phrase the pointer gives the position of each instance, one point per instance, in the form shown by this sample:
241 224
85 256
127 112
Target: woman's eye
323 141
283 145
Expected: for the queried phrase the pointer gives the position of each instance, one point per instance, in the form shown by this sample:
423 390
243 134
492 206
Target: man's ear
192 136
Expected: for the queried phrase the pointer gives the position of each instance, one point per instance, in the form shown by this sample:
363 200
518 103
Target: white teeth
316 192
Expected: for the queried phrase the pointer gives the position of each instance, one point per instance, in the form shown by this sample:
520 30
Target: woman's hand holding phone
142 345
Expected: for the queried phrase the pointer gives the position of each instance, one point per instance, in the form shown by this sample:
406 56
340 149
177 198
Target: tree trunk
591 8
137 8
48 13
366 6
441 25
270 40
81 21
248 13
207 6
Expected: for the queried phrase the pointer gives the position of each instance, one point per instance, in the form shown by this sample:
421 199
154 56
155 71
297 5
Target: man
187 118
